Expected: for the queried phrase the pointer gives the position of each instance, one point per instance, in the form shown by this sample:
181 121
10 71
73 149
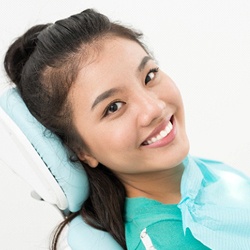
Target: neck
163 186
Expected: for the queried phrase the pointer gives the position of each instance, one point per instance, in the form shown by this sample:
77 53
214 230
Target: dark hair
44 64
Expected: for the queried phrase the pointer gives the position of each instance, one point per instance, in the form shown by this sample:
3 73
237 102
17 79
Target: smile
162 134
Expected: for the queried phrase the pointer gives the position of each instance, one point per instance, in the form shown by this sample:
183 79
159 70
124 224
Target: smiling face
128 112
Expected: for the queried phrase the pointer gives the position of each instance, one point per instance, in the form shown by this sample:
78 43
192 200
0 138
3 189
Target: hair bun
20 51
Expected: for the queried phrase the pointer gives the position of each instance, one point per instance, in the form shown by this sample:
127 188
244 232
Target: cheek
115 135
171 94
167 87
177 97
112 145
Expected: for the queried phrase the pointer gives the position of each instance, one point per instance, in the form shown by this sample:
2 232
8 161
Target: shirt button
143 234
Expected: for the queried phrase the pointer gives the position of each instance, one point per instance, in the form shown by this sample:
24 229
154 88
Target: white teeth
153 139
162 134
158 137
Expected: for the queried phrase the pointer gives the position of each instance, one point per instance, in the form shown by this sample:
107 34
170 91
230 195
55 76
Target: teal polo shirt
163 225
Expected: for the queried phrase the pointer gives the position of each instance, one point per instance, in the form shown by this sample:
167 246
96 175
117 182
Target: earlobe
89 159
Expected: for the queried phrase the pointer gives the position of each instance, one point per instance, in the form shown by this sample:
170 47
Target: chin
180 154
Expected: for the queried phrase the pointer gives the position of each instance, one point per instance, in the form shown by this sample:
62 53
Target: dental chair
47 169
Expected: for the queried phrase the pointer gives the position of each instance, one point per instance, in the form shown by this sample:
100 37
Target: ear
89 159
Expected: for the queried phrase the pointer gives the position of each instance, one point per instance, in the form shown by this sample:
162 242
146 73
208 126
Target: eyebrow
104 96
144 62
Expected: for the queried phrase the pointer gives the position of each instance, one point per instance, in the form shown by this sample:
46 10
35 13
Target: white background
204 45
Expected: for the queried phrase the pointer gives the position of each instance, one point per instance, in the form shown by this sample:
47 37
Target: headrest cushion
70 176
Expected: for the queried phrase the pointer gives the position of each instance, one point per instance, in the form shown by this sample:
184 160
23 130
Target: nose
150 108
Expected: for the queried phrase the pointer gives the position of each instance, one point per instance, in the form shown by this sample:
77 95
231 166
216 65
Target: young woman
94 83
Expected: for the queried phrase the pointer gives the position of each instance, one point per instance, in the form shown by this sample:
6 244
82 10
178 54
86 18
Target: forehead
112 53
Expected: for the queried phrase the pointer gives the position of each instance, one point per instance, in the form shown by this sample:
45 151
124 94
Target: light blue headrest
70 176
82 236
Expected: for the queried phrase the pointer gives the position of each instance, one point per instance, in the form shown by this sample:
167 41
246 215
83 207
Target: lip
167 139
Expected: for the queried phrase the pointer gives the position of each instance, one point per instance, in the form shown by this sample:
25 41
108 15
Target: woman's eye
113 107
151 75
